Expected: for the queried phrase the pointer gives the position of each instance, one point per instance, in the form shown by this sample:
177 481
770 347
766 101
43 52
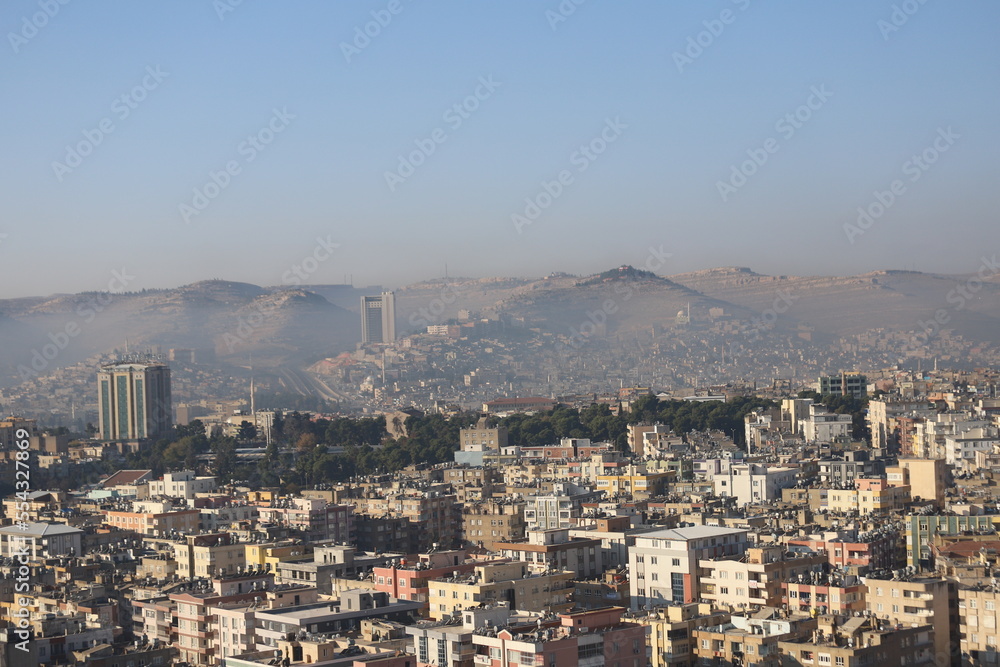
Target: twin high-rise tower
134 400
378 318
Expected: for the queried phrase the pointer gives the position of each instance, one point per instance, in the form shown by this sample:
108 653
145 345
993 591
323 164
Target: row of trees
318 451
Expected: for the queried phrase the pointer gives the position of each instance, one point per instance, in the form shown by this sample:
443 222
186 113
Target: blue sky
683 124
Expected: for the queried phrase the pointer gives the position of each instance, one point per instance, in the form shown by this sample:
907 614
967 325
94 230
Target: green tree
247 432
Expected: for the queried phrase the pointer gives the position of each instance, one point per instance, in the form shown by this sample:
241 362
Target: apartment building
870 496
924 530
448 642
846 641
749 640
826 594
408 578
492 522
183 484
756 578
584 639
821 425
978 623
560 509
671 629
345 615
917 601
500 582
754 483
664 564
927 478
154 518
554 549
314 518
214 554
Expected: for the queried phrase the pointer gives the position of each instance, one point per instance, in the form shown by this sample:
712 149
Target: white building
183 484
823 426
960 450
754 483
40 540
663 564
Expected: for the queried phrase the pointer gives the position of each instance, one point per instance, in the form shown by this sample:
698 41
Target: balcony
481 659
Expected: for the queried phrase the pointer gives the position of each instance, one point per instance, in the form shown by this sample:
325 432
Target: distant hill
841 306
281 325
233 319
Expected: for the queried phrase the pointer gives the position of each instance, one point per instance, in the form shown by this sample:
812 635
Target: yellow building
635 481
209 555
275 552
872 496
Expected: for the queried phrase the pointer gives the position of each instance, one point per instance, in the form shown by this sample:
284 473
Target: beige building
741 583
749 640
498 582
872 496
851 640
671 628
915 602
209 555
977 629
927 478
490 523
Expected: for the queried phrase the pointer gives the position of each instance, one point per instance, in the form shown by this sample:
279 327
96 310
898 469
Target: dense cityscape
851 520
533 333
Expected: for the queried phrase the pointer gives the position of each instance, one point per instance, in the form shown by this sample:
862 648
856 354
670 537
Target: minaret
253 408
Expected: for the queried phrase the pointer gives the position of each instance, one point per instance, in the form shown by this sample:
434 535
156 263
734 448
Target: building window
677 587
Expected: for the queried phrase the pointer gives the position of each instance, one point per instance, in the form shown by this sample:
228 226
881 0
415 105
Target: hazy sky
116 113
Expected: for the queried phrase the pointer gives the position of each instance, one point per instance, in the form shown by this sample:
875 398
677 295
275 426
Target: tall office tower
134 400
378 318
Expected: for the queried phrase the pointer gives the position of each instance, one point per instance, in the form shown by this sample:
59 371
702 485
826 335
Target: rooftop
691 533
